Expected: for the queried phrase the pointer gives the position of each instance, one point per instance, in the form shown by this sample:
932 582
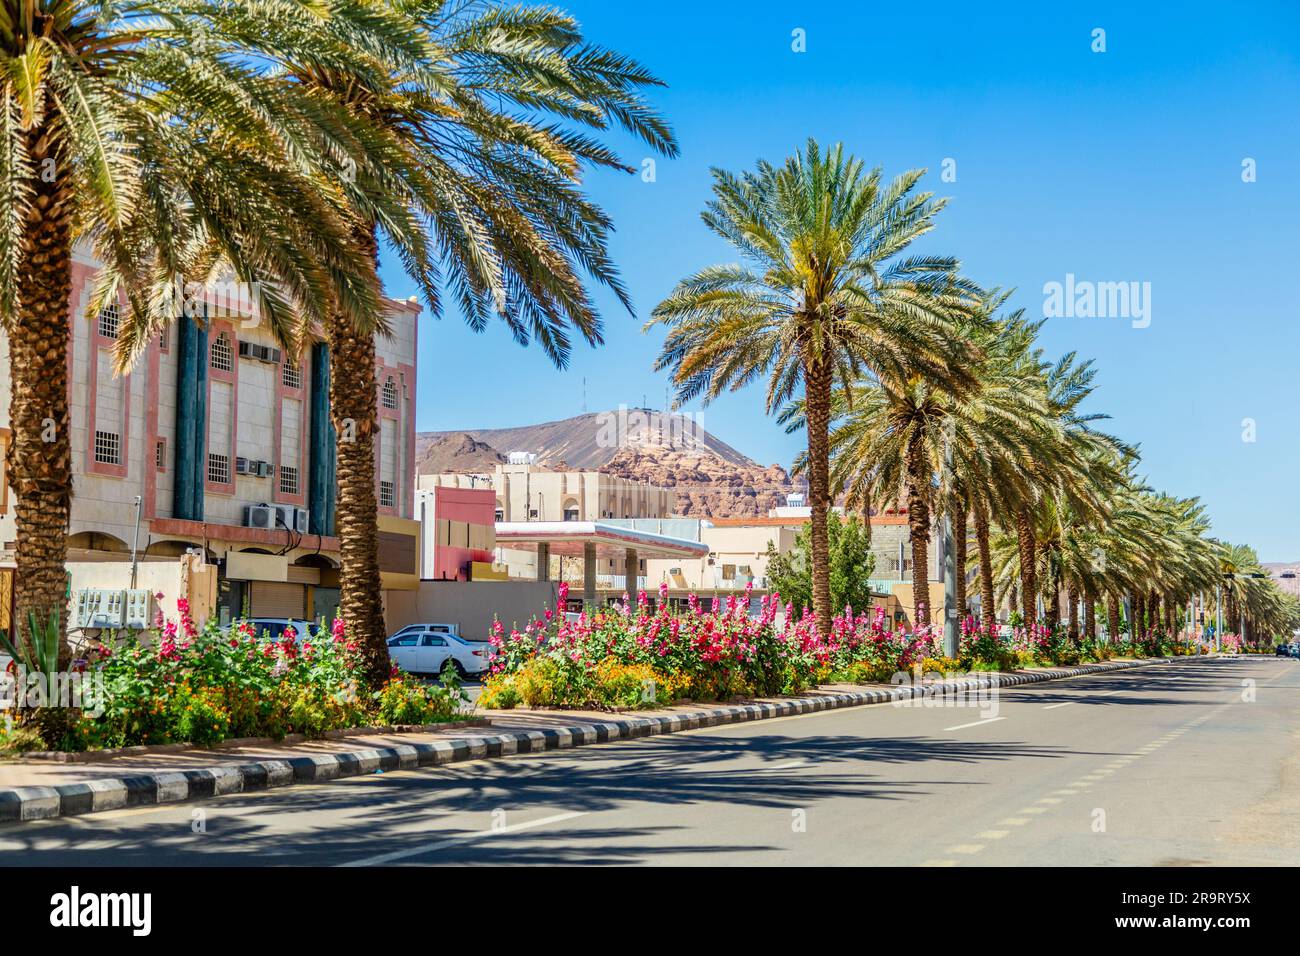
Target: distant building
458 529
526 491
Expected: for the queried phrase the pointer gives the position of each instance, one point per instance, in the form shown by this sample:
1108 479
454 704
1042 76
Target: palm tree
105 109
507 225
825 293
454 156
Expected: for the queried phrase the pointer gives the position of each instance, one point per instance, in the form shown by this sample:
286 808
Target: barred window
160 454
219 469
109 320
390 393
288 480
222 355
108 448
387 494
291 374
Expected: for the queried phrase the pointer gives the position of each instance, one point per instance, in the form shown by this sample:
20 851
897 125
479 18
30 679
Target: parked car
1282 650
425 648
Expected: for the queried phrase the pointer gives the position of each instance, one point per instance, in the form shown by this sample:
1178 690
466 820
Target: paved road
1192 762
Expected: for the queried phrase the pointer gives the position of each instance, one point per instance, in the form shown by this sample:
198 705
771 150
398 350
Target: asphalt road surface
1193 762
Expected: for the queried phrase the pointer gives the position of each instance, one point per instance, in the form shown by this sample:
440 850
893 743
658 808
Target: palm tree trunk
1137 626
353 400
1112 616
1089 614
1153 611
987 600
1055 611
1028 571
39 459
817 403
959 518
1074 616
918 523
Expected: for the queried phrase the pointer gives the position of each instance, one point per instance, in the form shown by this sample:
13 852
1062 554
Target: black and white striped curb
146 789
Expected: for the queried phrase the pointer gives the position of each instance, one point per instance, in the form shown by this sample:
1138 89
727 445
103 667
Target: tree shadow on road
381 813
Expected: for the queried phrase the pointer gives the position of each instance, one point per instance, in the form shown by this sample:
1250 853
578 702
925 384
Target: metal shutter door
278 599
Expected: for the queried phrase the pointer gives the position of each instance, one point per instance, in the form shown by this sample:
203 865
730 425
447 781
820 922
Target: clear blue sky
1116 166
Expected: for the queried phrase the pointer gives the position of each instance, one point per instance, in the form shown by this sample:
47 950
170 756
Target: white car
425 648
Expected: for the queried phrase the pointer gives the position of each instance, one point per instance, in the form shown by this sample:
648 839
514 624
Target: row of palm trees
919 388
283 142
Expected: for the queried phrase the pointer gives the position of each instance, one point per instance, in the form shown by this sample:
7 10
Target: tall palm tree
464 154
825 292
105 109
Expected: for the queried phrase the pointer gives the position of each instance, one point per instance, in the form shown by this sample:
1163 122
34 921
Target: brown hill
456 451
590 441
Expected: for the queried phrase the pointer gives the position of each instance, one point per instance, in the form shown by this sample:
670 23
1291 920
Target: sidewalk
32 789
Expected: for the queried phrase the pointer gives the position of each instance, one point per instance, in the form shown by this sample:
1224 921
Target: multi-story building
225 442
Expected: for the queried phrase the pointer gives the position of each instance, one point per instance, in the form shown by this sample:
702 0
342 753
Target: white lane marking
780 766
976 723
464 838
1054 706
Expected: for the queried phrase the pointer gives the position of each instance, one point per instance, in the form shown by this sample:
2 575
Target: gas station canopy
570 539
592 540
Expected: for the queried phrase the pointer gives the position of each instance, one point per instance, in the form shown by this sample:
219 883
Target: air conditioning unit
262 469
301 521
248 350
100 607
271 355
139 602
260 516
244 466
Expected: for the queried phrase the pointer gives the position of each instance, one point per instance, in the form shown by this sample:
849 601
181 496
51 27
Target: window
288 480
160 454
390 393
108 448
109 320
499 515
405 640
570 514
222 356
291 374
431 640
219 469
387 494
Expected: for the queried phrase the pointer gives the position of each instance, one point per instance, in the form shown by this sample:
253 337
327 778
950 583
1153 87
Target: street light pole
950 615
135 539
1218 616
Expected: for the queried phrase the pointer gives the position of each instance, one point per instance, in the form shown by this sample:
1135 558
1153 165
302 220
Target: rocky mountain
707 485
711 478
